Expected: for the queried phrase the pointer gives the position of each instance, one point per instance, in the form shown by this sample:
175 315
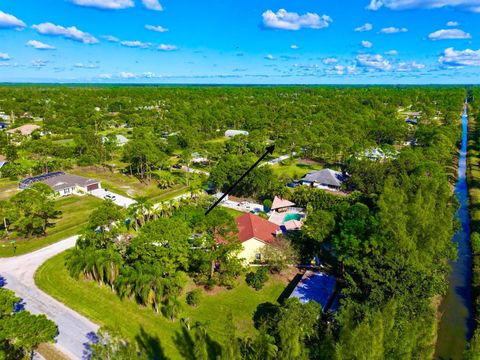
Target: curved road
19 274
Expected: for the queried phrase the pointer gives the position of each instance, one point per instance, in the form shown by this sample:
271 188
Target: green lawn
105 308
295 170
233 212
75 212
8 188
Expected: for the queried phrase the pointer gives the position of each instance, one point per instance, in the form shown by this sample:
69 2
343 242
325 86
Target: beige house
254 233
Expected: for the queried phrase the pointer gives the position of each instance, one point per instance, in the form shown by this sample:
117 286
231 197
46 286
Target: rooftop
326 176
253 226
279 203
26 129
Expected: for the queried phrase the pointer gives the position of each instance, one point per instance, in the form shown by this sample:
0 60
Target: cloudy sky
233 41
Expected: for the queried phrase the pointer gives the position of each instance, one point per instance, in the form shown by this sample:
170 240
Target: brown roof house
254 233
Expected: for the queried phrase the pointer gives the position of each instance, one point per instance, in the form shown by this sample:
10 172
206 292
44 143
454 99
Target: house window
258 257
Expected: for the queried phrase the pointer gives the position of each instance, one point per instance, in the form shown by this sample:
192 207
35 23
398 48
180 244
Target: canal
456 325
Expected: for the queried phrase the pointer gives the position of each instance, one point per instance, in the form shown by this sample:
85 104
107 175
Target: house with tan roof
24 130
254 233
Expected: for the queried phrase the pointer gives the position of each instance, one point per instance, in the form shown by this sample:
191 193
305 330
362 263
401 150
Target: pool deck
279 217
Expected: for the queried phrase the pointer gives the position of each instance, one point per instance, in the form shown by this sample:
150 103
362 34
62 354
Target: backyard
75 211
99 304
295 169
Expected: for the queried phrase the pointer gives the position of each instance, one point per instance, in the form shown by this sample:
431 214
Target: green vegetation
20 331
387 239
103 306
256 279
8 188
75 211
473 178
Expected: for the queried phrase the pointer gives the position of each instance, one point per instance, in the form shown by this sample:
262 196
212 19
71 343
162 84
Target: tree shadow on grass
188 339
150 345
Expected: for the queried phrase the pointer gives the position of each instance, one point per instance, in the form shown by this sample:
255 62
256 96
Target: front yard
99 304
75 212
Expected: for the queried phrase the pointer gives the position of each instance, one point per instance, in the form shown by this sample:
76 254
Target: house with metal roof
63 184
324 179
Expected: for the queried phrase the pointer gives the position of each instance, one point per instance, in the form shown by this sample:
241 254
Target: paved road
19 275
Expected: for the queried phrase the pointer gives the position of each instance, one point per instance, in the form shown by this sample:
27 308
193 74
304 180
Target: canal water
456 325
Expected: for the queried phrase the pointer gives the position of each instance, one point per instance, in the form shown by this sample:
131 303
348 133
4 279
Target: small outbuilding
233 133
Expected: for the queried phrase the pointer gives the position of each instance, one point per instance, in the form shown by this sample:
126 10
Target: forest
387 238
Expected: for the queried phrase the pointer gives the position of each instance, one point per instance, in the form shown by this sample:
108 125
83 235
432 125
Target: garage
93 187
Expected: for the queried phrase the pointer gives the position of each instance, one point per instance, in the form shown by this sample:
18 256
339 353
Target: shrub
267 205
193 297
258 278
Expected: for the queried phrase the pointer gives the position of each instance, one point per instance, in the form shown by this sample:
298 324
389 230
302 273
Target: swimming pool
289 217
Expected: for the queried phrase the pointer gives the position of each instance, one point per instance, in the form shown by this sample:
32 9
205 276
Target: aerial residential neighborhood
235 180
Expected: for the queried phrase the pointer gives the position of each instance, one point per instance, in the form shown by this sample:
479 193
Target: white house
63 184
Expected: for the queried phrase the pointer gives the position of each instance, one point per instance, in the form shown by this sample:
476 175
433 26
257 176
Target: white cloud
152 5
468 5
460 58
39 45
445 34
293 46
10 21
166 47
110 38
285 20
392 52
374 5
150 75
409 66
329 60
105 76
127 75
4 56
135 43
39 63
270 57
453 23
156 28
71 33
366 44
85 66
365 27
105 4
393 30
373 62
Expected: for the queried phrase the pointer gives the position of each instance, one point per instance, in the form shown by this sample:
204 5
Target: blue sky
232 41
